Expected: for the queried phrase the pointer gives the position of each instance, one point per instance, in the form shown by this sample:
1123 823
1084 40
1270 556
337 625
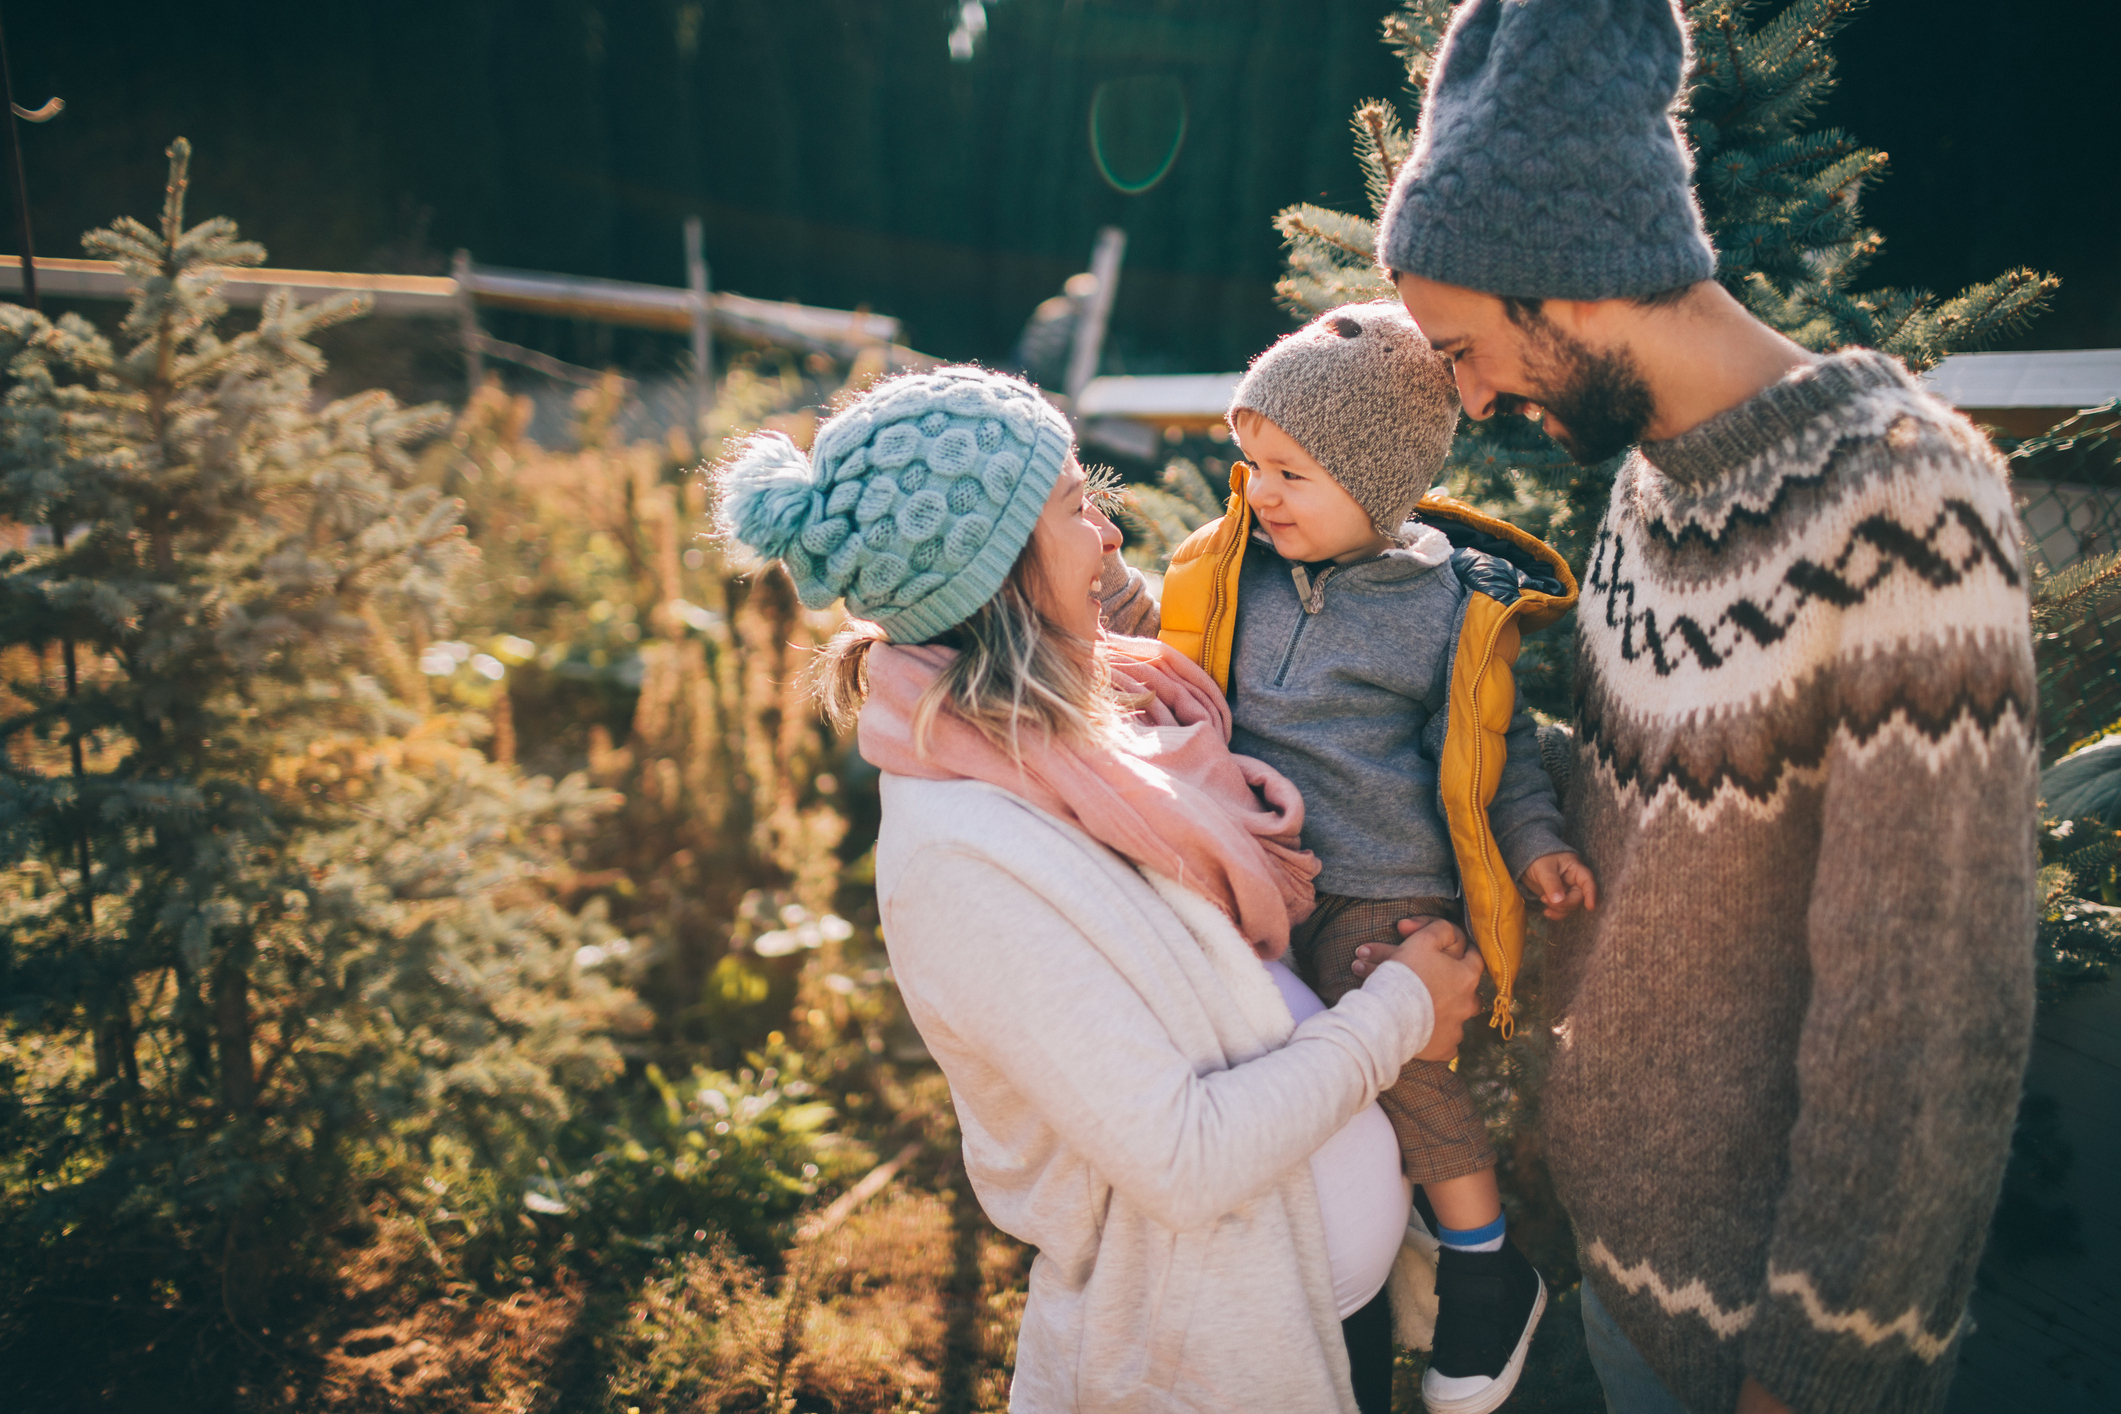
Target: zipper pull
1315 597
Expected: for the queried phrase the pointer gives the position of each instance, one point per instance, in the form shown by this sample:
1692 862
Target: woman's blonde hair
1014 669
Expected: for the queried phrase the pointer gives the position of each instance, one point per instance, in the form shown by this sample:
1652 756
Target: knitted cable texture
1791 1037
1548 163
913 503
1360 389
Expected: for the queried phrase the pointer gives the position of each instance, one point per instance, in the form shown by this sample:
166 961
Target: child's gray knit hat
1360 389
914 502
1548 164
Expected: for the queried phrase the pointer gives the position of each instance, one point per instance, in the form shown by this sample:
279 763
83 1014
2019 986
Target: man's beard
1601 400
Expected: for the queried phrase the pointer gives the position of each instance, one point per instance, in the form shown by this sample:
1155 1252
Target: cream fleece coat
1135 1103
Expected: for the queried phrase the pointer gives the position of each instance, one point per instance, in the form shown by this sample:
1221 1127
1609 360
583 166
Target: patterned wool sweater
1789 1041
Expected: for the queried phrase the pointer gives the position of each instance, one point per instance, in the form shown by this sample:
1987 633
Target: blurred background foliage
432 907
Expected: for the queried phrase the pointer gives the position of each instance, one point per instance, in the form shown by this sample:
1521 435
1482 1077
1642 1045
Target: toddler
1365 636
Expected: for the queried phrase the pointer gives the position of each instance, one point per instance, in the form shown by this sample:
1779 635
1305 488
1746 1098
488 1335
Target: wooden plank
839 332
105 279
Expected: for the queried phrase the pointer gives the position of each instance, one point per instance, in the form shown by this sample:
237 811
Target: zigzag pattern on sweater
1843 454
1711 644
1784 734
1694 533
1694 1296
1908 1325
1969 728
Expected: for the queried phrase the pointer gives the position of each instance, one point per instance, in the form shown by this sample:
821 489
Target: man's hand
1753 1398
1562 882
1438 954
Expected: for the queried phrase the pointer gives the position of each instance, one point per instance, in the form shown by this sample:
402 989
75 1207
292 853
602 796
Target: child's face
1298 503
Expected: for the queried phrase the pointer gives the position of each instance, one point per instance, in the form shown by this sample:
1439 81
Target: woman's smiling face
1072 536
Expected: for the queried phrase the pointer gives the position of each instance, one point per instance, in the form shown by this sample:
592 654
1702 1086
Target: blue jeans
1631 1386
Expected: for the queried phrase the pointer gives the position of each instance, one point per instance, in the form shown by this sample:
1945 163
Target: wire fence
2067 486
2065 522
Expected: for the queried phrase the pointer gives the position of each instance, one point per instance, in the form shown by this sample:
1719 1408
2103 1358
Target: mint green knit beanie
914 502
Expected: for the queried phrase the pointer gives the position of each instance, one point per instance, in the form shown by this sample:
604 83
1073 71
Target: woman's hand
1439 955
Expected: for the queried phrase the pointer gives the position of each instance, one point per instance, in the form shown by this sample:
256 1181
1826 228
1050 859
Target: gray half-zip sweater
1339 677
1790 1039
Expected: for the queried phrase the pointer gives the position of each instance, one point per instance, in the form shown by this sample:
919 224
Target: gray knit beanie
1360 389
914 501
1548 164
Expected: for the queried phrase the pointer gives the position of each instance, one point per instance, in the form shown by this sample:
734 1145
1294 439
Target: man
1790 1039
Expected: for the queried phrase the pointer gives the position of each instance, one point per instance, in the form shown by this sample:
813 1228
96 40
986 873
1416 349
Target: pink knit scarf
1170 797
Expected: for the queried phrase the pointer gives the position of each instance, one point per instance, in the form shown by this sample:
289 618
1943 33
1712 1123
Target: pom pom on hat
768 494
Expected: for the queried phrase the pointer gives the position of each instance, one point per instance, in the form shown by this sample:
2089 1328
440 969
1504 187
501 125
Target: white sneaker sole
1491 1395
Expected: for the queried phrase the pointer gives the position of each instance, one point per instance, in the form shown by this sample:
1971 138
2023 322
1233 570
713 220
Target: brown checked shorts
1441 1134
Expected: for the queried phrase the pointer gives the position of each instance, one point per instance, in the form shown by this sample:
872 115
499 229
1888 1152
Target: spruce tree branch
1738 76
2096 585
287 1026
1294 224
1917 303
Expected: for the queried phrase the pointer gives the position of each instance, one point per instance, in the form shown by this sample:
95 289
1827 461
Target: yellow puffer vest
1502 568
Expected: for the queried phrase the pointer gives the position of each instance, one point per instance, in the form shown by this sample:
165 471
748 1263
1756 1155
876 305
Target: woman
1078 882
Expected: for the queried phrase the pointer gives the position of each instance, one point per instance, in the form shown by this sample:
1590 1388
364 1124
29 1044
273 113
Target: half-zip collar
1419 548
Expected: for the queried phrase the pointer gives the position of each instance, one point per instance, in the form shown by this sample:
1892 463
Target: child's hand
1562 882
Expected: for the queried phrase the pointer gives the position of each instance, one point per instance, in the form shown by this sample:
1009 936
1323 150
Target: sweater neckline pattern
1778 414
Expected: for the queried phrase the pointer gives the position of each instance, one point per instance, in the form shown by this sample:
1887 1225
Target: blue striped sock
1486 1238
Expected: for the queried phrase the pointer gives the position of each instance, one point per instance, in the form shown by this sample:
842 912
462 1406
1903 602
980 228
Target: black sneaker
1488 1304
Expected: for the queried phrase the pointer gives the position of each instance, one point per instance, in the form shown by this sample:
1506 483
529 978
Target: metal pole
468 325
1089 342
702 334
14 147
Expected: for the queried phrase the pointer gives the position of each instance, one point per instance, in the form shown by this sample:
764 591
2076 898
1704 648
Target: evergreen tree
264 933
1781 205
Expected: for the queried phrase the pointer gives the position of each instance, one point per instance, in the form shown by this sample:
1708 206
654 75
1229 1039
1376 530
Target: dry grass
911 1305
413 1346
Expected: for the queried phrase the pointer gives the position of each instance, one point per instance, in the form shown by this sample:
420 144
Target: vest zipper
1500 1018
1219 601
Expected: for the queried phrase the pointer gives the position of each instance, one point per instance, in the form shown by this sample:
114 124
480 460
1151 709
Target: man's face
1594 402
